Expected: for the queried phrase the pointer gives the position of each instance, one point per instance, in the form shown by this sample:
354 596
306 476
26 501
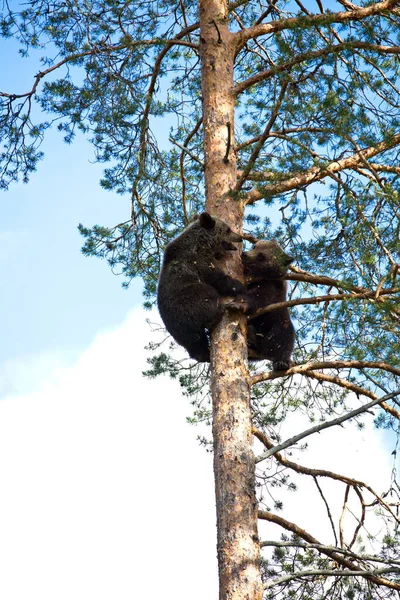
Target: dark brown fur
191 283
271 335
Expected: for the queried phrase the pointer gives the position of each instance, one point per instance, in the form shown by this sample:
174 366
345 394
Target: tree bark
238 545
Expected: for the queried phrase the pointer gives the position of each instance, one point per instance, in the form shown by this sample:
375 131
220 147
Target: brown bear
271 335
191 283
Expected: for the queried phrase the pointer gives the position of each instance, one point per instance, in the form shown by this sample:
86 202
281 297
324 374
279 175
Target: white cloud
29 373
105 492
345 451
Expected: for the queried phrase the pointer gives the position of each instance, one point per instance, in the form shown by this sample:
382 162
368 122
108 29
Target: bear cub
271 336
191 283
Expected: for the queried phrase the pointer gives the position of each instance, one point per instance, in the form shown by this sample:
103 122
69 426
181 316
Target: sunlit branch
323 19
348 5
301 180
354 483
385 168
374 169
318 299
337 364
297 274
336 556
321 426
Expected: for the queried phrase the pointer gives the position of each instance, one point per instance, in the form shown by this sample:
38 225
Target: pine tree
284 121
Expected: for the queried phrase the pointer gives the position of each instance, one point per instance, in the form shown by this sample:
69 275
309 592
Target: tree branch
328 510
297 274
352 387
308 370
99 49
336 556
317 428
318 299
185 150
317 173
311 21
145 117
337 364
344 551
263 137
332 573
289 464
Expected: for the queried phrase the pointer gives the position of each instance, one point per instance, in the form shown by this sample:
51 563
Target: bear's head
215 236
219 230
267 260
205 238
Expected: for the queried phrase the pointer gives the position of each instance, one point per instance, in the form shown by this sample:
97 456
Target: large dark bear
271 335
191 283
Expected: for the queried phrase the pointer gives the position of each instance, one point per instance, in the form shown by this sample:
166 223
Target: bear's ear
206 220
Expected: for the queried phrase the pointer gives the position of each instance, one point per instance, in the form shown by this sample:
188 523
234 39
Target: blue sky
54 295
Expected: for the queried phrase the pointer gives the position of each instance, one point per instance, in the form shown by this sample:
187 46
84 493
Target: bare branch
336 556
341 519
317 428
318 299
385 168
297 274
355 483
187 151
328 510
182 166
308 370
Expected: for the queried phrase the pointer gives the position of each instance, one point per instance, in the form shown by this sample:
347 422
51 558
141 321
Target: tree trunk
238 546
